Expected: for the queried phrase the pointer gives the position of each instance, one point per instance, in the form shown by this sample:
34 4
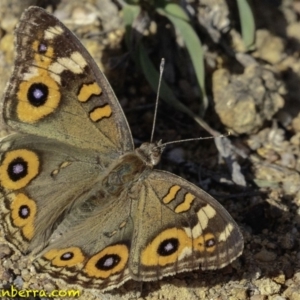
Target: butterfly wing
73 128
42 182
169 226
95 252
191 229
57 90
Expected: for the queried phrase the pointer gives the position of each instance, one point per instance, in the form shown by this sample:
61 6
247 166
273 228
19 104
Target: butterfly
74 190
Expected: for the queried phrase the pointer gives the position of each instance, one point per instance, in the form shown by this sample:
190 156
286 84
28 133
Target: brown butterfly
74 189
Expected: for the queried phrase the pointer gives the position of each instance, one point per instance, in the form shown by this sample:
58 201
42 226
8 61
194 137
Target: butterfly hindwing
95 252
194 230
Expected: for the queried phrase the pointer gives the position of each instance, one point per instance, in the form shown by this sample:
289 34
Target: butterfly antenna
163 145
194 139
161 70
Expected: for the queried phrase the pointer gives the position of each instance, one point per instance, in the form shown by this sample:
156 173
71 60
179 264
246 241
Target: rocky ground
254 95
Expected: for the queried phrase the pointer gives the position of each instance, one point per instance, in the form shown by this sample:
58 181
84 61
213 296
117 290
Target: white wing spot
78 58
70 65
32 72
55 77
210 211
56 68
75 63
197 231
226 233
187 251
51 32
204 214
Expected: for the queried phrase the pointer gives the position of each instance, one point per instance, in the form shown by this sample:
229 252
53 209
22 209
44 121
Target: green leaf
165 92
130 13
180 21
132 2
247 24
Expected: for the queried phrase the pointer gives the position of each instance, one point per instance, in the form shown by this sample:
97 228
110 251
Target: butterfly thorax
131 168
150 153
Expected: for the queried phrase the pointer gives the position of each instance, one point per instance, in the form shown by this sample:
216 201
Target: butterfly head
150 152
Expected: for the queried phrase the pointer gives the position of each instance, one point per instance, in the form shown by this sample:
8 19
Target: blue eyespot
37 94
17 169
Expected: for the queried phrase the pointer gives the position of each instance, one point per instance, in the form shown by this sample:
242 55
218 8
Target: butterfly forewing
56 83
